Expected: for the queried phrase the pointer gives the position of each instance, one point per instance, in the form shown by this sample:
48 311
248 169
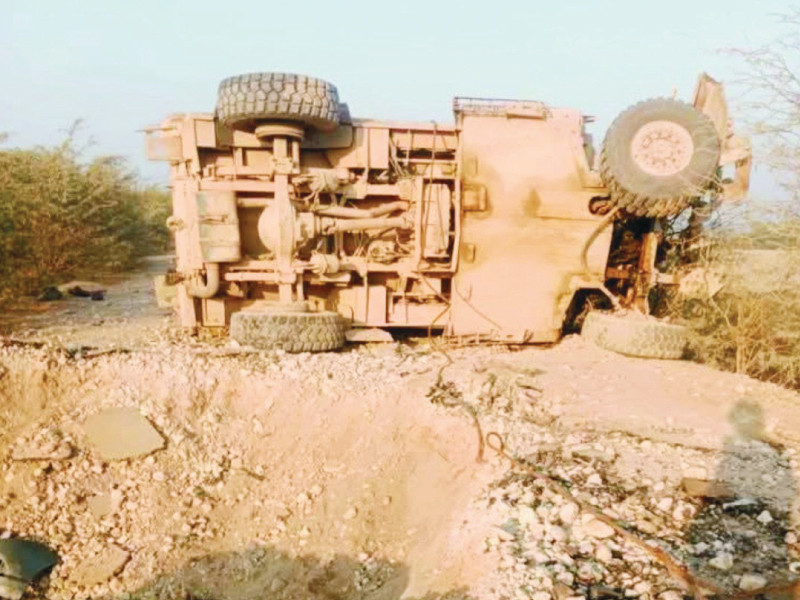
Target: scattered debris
764 517
371 335
597 522
236 474
121 433
100 505
751 582
22 562
598 529
604 523
722 561
700 488
46 443
101 567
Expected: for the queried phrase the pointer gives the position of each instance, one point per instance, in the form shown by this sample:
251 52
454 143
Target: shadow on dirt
266 573
740 533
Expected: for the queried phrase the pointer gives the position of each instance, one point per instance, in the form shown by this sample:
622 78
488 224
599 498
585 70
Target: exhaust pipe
207 289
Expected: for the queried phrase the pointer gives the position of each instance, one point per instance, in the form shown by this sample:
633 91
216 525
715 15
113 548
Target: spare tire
657 156
288 330
245 100
635 335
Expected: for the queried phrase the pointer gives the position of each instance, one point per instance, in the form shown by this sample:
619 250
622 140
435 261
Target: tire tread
289 331
692 183
645 337
243 100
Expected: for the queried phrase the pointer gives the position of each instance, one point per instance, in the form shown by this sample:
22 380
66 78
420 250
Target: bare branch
770 95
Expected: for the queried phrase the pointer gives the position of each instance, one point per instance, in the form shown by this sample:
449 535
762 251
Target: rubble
46 443
371 335
701 488
568 513
100 505
751 582
122 433
764 517
597 529
722 561
246 470
100 567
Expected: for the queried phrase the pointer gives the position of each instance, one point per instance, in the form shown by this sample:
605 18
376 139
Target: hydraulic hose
207 289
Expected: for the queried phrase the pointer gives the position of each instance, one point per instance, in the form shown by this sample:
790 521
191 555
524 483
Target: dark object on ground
21 562
79 292
49 294
82 289
98 295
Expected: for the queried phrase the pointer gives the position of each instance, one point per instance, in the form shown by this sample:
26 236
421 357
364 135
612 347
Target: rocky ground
365 473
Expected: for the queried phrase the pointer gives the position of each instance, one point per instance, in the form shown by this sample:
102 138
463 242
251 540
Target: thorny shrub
744 309
61 217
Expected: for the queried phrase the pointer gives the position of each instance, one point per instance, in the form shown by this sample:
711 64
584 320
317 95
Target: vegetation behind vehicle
61 216
744 312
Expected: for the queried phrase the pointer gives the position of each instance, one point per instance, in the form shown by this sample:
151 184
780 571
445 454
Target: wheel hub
271 129
662 148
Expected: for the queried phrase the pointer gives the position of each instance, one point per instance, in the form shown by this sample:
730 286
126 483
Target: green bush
750 322
61 217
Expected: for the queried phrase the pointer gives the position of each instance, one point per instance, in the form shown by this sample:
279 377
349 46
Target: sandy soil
361 473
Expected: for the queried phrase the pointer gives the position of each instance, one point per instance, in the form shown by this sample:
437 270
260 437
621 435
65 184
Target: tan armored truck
294 222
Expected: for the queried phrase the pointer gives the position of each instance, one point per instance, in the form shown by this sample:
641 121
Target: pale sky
122 65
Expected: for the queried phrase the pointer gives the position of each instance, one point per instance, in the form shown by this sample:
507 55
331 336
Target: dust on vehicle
294 222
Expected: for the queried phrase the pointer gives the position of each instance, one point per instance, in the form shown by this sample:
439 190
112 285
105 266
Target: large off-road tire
288 330
245 100
657 156
635 335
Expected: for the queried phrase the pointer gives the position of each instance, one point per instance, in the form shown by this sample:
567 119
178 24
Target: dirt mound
357 474
333 455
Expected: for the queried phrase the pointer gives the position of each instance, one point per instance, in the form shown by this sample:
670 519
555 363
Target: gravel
355 475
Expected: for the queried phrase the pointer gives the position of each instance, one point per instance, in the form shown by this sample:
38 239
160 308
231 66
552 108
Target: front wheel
635 335
657 156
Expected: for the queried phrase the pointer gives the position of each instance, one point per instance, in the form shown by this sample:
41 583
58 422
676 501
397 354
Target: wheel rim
662 148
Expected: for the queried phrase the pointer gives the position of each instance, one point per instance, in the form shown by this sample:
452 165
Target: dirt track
336 476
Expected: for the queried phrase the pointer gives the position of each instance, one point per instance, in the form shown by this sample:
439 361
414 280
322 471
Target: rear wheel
288 330
657 156
245 100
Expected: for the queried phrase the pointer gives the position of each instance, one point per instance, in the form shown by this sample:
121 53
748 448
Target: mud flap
709 98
